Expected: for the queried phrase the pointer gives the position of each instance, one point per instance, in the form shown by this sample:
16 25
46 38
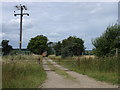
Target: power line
21 8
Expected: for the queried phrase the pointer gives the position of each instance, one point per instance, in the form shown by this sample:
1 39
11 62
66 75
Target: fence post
12 58
78 61
59 61
39 60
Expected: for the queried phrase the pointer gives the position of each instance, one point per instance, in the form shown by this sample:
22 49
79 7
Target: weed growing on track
59 71
22 72
103 69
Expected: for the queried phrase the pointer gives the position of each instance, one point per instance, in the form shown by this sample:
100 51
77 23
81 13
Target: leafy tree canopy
57 48
72 46
69 47
38 44
108 41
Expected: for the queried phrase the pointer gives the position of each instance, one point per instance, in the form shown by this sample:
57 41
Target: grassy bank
102 69
23 72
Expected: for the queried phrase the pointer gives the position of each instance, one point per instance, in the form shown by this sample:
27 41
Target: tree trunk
116 52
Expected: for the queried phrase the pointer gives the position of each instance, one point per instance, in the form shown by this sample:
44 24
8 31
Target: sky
58 20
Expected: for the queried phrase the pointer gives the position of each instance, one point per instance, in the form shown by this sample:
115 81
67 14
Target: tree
72 46
38 44
6 49
57 48
69 47
107 42
50 48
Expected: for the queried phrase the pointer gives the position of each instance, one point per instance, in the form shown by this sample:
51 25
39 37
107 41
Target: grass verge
102 69
22 73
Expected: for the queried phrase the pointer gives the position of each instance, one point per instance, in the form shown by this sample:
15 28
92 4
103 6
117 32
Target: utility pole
21 8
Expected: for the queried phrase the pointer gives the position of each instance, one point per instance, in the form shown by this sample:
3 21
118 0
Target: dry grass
102 68
23 72
88 56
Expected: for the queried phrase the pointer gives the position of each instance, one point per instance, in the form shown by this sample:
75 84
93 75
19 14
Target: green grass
102 69
22 73
108 77
60 72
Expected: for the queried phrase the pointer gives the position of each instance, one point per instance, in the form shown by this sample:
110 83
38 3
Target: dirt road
55 80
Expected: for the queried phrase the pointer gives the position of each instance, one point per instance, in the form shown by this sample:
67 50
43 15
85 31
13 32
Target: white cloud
13 25
10 36
13 21
52 34
2 35
13 39
95 10
28 23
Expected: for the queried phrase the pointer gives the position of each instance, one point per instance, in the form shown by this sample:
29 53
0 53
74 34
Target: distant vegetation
67 47
17 52
6 48
107 44
72 46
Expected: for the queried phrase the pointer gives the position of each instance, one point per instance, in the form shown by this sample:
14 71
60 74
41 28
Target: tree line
67 47
107 44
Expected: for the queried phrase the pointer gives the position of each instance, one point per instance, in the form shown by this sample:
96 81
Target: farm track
55 80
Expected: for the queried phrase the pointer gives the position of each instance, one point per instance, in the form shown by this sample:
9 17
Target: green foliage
69 47
72 46
57 48
50 48
23 72
6 49
107 42
16 52
38 44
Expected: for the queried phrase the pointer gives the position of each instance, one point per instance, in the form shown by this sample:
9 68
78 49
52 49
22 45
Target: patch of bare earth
55 80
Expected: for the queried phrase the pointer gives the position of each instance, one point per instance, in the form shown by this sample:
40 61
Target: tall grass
103 69
22 72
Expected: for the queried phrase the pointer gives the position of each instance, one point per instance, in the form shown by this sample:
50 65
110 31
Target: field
102 69
22 72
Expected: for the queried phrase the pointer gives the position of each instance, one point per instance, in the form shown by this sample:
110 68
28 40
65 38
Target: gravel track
55 80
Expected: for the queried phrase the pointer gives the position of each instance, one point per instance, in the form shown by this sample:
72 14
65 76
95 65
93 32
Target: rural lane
55 80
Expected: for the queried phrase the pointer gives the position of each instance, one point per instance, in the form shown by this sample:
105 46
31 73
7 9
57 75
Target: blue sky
58 20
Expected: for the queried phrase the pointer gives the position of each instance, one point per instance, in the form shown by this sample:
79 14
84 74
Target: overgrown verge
22 72
102 69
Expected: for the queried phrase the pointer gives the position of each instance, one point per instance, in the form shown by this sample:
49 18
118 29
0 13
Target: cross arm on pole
16 14
22 14
26 14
